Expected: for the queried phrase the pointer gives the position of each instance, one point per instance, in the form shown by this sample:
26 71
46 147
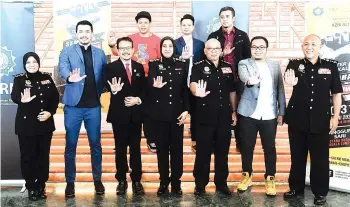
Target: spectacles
260 47
125 48
210 49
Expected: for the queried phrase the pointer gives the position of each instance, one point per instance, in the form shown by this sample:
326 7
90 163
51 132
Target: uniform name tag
45 82
324 71
138 74
226 70
178 68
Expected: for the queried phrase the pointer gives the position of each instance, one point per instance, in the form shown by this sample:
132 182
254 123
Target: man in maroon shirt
236 47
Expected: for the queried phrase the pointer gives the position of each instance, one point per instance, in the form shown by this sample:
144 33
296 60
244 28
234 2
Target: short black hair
260 38
127 39
143 14
84 22
228 8
187 16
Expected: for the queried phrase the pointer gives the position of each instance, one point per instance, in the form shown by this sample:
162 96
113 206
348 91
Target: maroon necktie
128 72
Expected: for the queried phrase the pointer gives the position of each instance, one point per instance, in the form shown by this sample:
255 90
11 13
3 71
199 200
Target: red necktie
128 72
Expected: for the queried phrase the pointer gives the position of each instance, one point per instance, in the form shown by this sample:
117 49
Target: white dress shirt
264 107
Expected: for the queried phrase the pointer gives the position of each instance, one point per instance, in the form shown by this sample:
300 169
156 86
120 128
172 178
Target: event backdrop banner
17 38
66 15
206 15
335 34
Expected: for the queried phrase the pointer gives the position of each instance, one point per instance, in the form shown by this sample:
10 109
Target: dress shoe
33 195
122 187
70 190
320 200
99 188
41 193
137 188
291 194
176 191
224 190
162 190
199 191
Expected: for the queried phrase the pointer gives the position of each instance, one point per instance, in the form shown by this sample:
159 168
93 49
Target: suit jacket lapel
93 52
182 42
125 75
78 50
255 67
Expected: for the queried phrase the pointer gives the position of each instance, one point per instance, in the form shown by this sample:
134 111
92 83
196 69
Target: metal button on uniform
312 84
37 82
38 87
220 104
312 77
41 94
203 104
220 97
25 117
312 92
171 80
219 90
170 103
157 101
41 101
170 95
312 70
169 73
41 109
310 107
170 88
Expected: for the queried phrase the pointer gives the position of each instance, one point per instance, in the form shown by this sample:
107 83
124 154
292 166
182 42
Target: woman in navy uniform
169 104
37 98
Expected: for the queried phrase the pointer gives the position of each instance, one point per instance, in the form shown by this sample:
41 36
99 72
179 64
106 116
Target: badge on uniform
178 68
206 70
160 66
301 68
226 70
324 71
28 83
45 82
137 74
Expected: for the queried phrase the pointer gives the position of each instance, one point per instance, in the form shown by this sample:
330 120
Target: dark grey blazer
249 98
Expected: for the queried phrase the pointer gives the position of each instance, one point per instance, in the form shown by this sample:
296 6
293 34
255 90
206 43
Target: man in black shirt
309 118
81 66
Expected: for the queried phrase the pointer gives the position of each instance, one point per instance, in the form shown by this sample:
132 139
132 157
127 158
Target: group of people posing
225 83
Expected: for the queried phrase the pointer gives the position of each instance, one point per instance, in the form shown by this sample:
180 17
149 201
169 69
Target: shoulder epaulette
196 63
19 75
295 59
154 60
178 59
329 60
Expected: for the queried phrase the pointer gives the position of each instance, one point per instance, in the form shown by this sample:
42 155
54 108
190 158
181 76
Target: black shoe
292 194
199 191
41 193
320 200
162 190
99 188
33 195
122 187
70 190
137 188
177 191
152 147
224 190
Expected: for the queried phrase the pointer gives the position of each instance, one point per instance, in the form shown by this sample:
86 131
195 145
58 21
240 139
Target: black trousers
318 145
35 159
193 117
239 85
169 138
267 130
127 135
147 129
209 137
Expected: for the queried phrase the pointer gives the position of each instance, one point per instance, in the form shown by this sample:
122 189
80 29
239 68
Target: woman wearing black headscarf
169 103
37 98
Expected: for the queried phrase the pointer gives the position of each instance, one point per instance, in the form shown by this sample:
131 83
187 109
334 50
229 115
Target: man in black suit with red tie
125 79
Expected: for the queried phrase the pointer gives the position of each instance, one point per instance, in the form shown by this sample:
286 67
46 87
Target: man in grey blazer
261 107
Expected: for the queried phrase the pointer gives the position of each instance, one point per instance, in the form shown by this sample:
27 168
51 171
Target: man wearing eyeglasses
212 84
261 108
236 47
125 79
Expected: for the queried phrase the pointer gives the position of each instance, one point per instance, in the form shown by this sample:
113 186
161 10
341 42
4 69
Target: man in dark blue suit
191 48
81 65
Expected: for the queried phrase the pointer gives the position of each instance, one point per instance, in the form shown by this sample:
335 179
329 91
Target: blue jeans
73 118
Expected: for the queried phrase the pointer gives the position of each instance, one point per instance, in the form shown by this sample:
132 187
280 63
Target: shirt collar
83 48
233 31
307 62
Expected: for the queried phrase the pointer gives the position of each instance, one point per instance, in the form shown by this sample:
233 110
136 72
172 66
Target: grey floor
11 196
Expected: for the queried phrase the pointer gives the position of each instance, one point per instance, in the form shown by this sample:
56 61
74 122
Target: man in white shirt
261 107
